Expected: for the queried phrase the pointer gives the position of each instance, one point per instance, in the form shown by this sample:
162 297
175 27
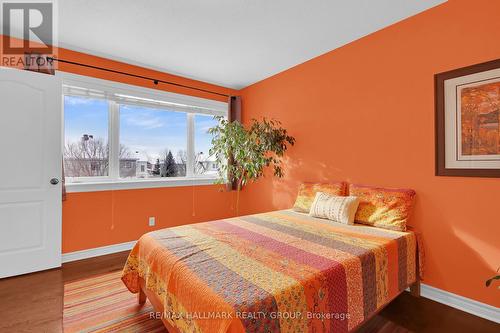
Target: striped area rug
102 303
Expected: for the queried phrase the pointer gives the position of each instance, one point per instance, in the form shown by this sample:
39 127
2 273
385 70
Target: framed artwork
468 121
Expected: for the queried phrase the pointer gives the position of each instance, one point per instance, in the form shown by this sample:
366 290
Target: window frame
77 85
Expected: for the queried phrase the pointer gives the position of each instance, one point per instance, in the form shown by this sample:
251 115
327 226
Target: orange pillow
307 193
386 208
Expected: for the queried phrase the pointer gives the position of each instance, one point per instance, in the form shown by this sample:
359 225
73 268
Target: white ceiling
233 43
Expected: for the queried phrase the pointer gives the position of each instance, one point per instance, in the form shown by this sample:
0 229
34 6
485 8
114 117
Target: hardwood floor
33 303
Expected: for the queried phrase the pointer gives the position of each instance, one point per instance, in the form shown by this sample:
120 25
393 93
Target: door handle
54 181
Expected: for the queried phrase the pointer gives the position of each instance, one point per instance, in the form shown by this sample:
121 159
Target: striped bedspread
274 272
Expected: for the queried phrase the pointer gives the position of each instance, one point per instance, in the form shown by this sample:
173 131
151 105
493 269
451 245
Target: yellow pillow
383 207
307 193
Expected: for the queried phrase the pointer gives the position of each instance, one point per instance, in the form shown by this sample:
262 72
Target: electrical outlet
152 221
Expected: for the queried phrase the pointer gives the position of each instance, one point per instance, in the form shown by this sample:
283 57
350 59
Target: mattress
280 271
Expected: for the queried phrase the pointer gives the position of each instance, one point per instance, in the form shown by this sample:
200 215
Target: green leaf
251 149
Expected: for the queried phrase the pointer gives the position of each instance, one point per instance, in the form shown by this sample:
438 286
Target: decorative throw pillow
383 207
335 208
307 193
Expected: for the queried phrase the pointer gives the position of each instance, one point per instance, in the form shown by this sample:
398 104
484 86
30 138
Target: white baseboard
462 303
459 302
98 251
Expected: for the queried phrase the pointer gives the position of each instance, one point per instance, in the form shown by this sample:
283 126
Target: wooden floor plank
34 303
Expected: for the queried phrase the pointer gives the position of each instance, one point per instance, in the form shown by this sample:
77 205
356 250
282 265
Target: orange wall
110 217
365 113
97 219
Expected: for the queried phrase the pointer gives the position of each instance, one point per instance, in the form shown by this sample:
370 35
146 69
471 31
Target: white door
30 159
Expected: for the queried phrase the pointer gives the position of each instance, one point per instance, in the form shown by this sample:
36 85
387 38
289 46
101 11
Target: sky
146 132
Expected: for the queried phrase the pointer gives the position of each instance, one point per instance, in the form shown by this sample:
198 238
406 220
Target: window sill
108 185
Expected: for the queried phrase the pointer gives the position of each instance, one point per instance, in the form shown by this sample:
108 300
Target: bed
281 271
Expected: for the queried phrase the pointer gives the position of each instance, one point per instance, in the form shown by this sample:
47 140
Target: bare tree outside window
89 157
86 158
181 162
202 163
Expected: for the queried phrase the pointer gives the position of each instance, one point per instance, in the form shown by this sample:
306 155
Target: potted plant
242 153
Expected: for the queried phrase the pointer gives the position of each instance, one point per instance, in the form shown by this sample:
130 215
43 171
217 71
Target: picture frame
467 121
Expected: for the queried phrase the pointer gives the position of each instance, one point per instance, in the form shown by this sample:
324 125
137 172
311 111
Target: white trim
114 140
107 185
462 303
190 146
96 252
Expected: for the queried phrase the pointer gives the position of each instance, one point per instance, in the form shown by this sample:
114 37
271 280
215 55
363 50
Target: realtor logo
27 27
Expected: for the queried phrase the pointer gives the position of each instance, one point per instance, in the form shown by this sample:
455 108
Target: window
204 162
86 152
156 136
117 134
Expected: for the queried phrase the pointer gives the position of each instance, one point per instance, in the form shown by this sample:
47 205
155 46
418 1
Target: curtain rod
155 81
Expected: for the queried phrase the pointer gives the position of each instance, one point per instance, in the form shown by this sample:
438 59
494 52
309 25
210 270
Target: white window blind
166 101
